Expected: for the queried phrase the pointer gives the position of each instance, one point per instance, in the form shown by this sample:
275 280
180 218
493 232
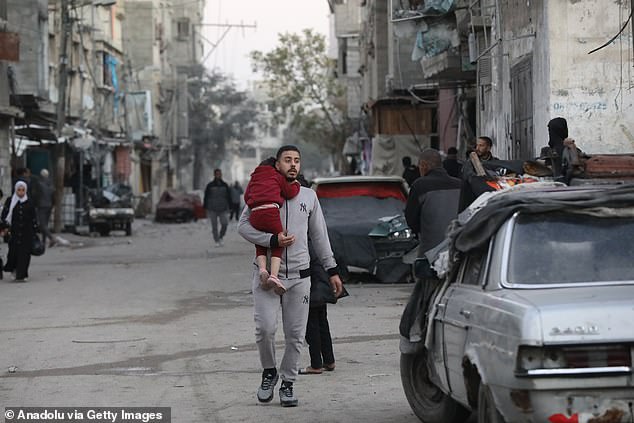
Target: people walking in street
451 164
217 202
18 217
44 204
236 192
301 217
411 172
266 192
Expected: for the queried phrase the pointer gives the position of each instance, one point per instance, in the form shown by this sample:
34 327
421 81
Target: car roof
482 219
357 178
377 185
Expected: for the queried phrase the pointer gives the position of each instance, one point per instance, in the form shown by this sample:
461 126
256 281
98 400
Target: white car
533 320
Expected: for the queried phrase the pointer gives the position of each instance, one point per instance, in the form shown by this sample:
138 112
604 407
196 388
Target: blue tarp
439 7
111 62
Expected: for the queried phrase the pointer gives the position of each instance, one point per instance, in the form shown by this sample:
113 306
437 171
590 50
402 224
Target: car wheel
487 411
429 403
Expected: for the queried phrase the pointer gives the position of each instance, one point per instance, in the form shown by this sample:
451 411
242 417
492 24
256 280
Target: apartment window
343 56
182 28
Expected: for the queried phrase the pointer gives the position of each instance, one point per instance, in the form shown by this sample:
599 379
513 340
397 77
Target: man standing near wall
483 149
217 202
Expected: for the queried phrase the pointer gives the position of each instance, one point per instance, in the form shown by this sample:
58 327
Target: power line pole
60 150
227 28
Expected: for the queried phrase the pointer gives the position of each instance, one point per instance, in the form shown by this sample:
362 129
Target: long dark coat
22 230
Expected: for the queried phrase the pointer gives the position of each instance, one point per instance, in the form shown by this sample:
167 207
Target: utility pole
61 113
227 28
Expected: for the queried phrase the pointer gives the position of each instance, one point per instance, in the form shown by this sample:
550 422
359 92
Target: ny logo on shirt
302 207
306 299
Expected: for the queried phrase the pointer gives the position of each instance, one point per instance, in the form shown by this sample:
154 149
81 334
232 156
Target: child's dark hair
268 162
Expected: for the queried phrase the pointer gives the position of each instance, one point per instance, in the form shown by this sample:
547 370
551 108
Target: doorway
522 110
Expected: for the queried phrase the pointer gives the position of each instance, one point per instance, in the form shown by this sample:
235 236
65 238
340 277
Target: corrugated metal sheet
606 166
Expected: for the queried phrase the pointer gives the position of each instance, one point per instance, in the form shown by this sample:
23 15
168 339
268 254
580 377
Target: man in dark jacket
451 163
432 202
431 205
217 202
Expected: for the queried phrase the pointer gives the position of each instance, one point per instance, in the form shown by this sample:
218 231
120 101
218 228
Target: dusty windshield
568 249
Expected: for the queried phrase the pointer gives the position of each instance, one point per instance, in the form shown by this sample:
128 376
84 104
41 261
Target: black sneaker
287 396
265 391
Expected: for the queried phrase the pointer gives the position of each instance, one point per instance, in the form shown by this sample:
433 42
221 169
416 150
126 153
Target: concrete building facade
541 69
504 68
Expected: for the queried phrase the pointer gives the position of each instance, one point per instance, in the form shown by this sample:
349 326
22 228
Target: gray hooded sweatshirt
301 216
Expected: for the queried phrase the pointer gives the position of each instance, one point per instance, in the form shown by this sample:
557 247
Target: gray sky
271 17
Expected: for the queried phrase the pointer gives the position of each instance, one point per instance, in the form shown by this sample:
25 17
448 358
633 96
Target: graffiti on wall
572 107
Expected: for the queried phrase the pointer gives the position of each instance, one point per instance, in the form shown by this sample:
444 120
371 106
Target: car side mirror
423 270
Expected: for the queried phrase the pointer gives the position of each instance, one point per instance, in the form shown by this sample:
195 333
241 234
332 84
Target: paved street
165 319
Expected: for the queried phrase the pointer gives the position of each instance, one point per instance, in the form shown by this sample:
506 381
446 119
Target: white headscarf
15 199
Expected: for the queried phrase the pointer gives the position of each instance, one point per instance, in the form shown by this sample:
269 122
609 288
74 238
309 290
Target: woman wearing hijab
18 215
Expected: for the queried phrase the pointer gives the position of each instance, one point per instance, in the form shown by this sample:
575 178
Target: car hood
583 314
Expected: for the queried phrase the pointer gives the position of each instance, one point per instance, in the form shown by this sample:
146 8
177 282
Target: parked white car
533 320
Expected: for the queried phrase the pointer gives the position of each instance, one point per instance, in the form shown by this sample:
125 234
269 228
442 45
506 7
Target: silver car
533 317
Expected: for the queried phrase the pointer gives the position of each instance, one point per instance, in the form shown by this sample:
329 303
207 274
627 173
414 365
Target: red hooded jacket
268 186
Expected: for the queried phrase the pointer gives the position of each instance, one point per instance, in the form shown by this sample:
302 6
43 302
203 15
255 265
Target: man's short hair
284 148
432 157
488 140
452 150
407 161
217 170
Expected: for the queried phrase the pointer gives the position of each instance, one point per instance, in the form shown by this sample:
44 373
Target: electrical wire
615 37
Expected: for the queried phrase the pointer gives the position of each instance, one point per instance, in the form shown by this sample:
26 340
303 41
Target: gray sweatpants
214 216
294 305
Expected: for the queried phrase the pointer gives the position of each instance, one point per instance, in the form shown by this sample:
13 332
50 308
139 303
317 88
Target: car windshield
359 211
560 248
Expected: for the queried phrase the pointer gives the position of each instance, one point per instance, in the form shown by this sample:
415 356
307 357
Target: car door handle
465 313
440 305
